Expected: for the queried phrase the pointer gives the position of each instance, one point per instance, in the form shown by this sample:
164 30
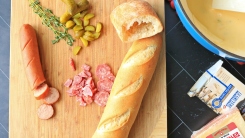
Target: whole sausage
30 55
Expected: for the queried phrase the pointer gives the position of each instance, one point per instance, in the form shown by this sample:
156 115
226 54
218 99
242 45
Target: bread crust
129 88
133 20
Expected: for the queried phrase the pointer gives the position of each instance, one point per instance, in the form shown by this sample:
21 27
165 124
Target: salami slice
81 101
83 74
106 78
86 67
101 98
87 91
77 79
83 87
72 92
111 77
90 82
103 71
87 99
104 85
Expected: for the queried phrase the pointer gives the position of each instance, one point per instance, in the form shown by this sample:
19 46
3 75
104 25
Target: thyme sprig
52 22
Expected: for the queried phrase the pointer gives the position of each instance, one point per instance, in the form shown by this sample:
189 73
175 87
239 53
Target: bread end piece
135 20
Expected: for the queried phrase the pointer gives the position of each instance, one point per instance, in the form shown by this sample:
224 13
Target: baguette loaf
129 87
135 20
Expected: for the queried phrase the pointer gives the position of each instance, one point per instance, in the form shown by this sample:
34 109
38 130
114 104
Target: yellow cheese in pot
231 122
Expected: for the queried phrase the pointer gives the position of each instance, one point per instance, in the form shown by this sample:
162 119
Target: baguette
135 20
129 87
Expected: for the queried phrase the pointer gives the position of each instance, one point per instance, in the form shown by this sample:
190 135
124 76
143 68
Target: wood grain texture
70 119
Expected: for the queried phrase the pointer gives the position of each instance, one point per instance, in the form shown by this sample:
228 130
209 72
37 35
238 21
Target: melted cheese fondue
224 28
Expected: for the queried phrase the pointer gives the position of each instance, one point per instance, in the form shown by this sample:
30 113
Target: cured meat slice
101 98
87 91
68 83
73 92
82 85
90 82
87 99
86 67
111 77
104 85
81 101
77 79
103 71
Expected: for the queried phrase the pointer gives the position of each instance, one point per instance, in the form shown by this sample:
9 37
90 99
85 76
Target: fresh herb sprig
52 22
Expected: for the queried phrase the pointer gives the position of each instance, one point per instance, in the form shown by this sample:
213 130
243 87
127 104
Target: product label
229 131
217 102
223 92
233 99
219 90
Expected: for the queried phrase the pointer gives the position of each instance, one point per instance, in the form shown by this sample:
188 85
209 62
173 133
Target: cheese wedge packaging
228 125
219 90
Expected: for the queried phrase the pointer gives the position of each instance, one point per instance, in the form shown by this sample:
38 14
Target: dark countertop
187 60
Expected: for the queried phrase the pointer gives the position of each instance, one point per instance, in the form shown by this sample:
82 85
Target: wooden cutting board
70 119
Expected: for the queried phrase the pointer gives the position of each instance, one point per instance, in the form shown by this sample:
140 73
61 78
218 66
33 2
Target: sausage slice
52 96
45 111
41 91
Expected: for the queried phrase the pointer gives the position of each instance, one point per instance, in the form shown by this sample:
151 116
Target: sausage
45 111
52 96
30 56
41 91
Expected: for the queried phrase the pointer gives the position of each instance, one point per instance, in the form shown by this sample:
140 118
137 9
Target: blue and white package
220 90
